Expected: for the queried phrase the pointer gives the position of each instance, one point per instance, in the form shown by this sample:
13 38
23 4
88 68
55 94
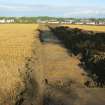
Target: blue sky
62 8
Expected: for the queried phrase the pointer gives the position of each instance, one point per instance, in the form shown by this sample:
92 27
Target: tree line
43 18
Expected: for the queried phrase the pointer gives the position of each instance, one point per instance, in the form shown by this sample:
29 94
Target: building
10 21
41 21
2 21
53 22
101 23
67 22
90 23
79 23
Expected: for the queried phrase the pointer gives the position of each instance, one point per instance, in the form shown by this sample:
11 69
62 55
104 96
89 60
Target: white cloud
86 12
14 7
52 10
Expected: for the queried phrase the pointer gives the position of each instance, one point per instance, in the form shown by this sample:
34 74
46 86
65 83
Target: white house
10 21
2 21
101 23
41 21
67 22
79 23
90 23
53 22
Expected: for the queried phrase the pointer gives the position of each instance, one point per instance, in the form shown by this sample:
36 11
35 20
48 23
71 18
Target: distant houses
101 23
91 23
78 22
3 21
48 21
67 22
53 22
7 20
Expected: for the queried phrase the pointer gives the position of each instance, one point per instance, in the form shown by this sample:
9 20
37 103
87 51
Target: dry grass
15 45
88 27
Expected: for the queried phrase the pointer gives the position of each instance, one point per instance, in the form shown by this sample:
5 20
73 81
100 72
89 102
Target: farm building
67 22
79 22
53 22
2 21
10 21
41 21
90 23
101 23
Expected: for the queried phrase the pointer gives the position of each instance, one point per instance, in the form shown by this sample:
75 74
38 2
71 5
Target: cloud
15 7
51 10
88 12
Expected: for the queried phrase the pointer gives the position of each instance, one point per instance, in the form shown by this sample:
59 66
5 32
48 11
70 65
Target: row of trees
43 18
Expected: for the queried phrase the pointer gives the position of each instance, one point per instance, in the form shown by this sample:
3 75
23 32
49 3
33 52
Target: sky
58 8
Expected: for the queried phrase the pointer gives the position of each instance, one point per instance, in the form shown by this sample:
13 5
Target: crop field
88 27
15 45
40 70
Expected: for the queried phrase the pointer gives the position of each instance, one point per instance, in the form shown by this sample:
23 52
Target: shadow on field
60 93
89 47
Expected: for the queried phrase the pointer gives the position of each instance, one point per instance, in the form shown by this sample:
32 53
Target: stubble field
15 45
